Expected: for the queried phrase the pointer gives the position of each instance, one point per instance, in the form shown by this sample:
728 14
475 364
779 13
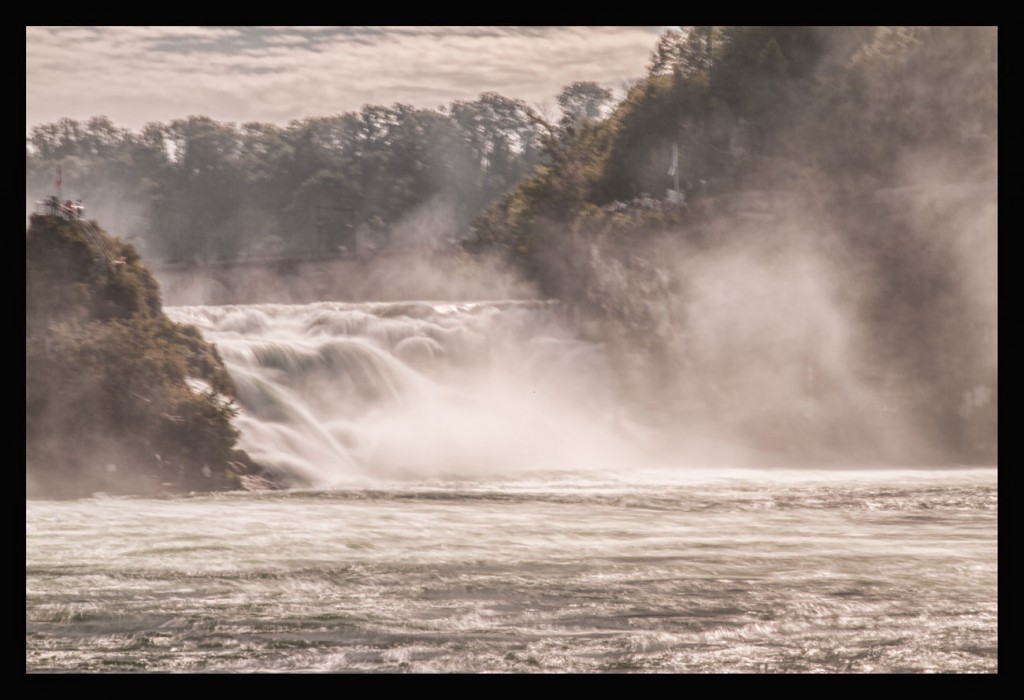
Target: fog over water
764 349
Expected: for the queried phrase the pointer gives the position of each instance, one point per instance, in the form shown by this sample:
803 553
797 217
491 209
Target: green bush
119 398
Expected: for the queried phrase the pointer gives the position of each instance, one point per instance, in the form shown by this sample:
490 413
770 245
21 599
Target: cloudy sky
136 75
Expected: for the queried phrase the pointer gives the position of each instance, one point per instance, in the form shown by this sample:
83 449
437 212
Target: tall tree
580 101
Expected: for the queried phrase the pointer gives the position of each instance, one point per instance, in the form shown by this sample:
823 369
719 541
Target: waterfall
334 393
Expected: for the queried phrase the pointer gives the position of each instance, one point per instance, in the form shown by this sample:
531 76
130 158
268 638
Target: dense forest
795 217
197 189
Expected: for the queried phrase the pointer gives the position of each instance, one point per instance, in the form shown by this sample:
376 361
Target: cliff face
119 398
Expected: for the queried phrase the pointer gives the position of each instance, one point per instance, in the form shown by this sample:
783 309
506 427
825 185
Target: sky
140 74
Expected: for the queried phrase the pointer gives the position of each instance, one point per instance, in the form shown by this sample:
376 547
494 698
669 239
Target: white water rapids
337 393
473 493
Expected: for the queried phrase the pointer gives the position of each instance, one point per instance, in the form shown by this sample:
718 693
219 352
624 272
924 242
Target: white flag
675 159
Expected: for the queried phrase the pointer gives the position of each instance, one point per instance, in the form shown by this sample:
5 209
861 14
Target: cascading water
337 393
478 492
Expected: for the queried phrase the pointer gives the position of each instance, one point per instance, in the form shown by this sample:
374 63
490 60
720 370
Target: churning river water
494 521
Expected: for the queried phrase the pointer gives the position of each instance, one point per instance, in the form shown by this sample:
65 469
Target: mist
827 296
766 349
768 338
797 336
754 342
421 261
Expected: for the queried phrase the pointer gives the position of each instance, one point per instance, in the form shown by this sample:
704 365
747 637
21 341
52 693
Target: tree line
196 188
